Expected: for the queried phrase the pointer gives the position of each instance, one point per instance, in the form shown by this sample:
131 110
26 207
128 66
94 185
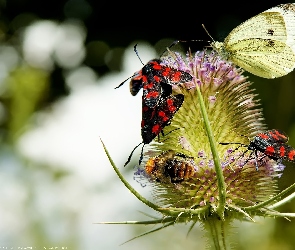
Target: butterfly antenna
184 41
181 41
135 50
129 158
208 33
168 48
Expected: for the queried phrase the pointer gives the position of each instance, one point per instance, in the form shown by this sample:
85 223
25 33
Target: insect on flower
156 80
273 144
158 103
264 44
170 167
155 119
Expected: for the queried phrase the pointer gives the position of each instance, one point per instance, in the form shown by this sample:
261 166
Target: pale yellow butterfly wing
265 58
264 26
263 45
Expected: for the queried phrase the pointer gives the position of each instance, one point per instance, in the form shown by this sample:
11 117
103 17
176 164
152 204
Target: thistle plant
201 169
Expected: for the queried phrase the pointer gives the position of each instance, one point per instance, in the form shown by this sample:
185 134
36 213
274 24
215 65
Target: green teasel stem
216 228
219 174
131 189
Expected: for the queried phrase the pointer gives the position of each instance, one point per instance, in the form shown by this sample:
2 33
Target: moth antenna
123 82
141 155
129 158
135 74
135 50
173 44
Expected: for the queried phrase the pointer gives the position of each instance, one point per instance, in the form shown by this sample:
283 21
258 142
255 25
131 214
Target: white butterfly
264 45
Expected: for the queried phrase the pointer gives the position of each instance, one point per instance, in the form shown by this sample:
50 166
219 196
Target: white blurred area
47 42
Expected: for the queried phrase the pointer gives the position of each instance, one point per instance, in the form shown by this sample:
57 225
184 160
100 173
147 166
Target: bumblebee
170 167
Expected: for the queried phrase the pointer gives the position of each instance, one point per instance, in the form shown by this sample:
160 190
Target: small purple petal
210 163
212 99
202 203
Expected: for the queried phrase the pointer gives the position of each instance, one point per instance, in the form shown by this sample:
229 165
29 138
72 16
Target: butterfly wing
265 44
264 58
265 26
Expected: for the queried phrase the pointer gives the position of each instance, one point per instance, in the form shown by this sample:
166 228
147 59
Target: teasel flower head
200 169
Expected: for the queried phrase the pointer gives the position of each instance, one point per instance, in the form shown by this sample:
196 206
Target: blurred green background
59 64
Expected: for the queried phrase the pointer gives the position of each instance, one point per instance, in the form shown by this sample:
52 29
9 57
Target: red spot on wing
291 155
282 151
263 136
144 78
156 129
170 102
269 150
280 136
172 108
157 66
166 71
274 136
177 76
157 79
138 77
148 86
161 114
152 94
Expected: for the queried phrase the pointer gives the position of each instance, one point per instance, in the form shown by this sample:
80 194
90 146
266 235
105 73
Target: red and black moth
159 105
273 136
155 119
156 80
273 144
